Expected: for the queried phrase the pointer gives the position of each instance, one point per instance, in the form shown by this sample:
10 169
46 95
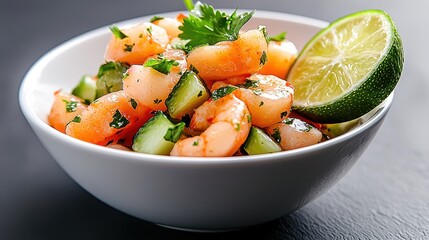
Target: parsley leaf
263 58
180 44
276 135
278 38
289 121
117 32
249 84
119 121
173 133
161 64
76 119
205 25
222 92
155 18
283 114
298 125
264 32
70 106
128 47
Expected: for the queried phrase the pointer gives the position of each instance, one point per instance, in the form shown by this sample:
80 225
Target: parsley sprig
205 25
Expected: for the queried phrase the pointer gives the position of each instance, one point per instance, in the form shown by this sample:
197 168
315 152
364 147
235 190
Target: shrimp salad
194 85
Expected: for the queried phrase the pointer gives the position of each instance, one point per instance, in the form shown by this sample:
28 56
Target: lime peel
348 68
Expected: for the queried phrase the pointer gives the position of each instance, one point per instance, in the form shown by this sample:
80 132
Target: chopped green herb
128 47
125 75
133 103
250 84
276 135
149 30
118 121
263 30
141 35
161 64
261 103
249 118
279 37
76 119
200 94
157 101
289 121
117 32
237 127
205 25
263 59
180 44
257 92
222 92
155 18
298 124
173 133
71 106
195 143
283 114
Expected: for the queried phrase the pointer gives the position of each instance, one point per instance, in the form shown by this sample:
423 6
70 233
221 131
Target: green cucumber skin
259 142
188 94
85 89
111 80
150 137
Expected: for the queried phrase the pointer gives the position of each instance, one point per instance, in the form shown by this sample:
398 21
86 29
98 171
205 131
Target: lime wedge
348 68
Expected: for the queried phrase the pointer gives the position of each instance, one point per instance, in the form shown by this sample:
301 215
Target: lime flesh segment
348 68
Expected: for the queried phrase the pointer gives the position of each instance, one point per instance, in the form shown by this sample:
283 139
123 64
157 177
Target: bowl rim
289 155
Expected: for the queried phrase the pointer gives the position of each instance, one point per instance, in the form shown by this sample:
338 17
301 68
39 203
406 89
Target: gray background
384 196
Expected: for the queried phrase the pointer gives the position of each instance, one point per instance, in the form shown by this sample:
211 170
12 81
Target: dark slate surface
384 196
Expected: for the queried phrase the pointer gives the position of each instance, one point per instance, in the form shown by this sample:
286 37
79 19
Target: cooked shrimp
293 133
230 58
280 57
113 118
170 25
268 98
139 43
150 87
226 123
64 109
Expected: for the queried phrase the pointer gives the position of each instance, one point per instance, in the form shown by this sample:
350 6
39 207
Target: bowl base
197 230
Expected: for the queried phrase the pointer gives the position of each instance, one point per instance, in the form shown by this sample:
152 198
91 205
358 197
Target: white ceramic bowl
190 193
